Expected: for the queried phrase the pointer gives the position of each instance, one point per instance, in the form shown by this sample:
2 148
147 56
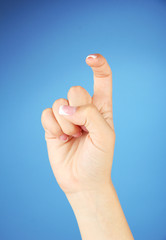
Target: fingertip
91 59
79 134
95 60
64 137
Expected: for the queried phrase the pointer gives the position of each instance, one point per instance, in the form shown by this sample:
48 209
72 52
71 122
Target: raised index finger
102 79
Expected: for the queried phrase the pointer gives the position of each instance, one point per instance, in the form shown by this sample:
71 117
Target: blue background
43 46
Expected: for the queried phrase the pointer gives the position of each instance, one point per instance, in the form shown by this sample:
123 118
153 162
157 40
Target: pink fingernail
91 56
64 137
66 110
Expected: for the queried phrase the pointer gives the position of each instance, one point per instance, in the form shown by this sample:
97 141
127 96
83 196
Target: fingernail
91 56
64 137
79 134
66 110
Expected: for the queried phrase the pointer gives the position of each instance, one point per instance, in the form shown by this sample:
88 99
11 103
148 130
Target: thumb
100 133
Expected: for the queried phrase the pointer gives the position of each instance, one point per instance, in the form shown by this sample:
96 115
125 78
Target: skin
82 164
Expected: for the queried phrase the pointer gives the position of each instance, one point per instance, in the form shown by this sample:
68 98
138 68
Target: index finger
102 78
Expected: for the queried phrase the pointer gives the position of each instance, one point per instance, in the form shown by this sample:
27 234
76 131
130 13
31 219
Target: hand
83 162
80 139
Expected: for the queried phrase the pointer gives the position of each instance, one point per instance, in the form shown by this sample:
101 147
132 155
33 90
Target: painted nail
64 137
79 134
66 110
91 56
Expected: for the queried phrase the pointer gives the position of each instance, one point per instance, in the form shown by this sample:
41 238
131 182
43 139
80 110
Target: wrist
89 201
99 214
92 210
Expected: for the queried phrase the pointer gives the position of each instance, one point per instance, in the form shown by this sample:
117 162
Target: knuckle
100 73
51 127
59 102
44 115
74 89
102 69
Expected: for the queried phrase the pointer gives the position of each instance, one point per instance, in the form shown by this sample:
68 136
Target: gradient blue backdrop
43 46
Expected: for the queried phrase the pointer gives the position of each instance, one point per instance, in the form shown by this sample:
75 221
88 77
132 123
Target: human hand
83 162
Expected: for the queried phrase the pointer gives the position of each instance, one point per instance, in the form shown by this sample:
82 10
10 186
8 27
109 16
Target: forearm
99 215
